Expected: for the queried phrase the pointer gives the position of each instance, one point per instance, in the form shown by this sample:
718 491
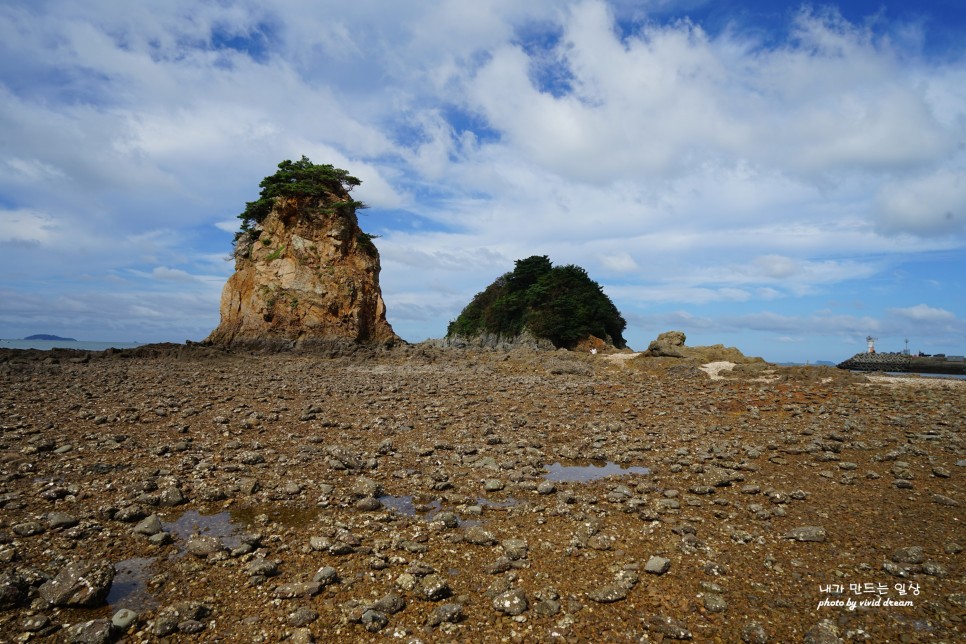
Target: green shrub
302 179
561 304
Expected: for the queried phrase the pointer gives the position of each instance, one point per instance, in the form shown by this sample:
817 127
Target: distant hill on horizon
47 336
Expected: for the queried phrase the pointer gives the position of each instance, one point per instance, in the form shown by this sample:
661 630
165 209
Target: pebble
81 583
302 616
807 533
546 487
512 602
479 536
449 613
825 632
61 520
390 604
123 618
148 526
715 603
657 565
34 623
374 620
203 546
754 633
97 631
262 568
433 588
515 548
910 555
668 627
609 593
298 589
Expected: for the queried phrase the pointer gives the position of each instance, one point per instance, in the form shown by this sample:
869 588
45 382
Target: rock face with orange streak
305 277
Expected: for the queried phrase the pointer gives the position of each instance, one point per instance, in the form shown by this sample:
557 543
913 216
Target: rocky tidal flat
428 494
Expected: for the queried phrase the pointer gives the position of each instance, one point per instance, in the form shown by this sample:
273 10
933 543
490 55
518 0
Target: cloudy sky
780 177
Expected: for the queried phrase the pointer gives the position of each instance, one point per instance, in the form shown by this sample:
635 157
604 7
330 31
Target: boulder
81 583
306 277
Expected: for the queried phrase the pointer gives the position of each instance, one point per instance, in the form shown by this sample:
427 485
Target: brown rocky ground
405 496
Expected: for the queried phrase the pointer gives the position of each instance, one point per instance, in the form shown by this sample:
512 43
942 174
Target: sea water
46 345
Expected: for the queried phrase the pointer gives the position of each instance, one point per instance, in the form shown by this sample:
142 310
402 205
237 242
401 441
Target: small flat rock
825 632
807 533
910 555
368 504
715 603
448 613
479 536
34 623
657 565
390 604
668 627
61 520
149 526
754 633
433 588
609 593
512 602
302 616
448 519
492 485
298 589
95 631
82 583
123 618
934 569
262 568
28 529
203 546
365 487
191 626
374 620
171 496
546 487
515 548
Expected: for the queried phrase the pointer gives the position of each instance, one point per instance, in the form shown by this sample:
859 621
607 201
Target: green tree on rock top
302 179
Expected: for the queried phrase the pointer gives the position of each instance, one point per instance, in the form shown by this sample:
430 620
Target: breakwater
902 363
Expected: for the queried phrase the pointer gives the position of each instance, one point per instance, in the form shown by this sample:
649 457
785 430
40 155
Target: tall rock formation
305 276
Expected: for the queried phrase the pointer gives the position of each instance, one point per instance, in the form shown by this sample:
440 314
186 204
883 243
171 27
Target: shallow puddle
218 525
405 505
130 587
560 473
509 503
285 515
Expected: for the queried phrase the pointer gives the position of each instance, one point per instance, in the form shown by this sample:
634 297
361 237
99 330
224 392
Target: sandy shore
429 495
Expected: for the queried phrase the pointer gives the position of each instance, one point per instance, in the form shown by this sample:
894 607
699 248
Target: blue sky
786 178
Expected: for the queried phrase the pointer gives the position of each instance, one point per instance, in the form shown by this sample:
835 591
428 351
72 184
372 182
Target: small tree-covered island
560 304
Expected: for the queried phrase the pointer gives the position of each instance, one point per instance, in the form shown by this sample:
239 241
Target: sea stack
306 276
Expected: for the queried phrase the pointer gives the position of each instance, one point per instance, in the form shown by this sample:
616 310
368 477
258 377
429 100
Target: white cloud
26 227
620 262
173 274
934 204
924 313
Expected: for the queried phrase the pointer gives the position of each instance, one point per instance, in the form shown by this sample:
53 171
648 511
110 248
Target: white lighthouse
871 342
